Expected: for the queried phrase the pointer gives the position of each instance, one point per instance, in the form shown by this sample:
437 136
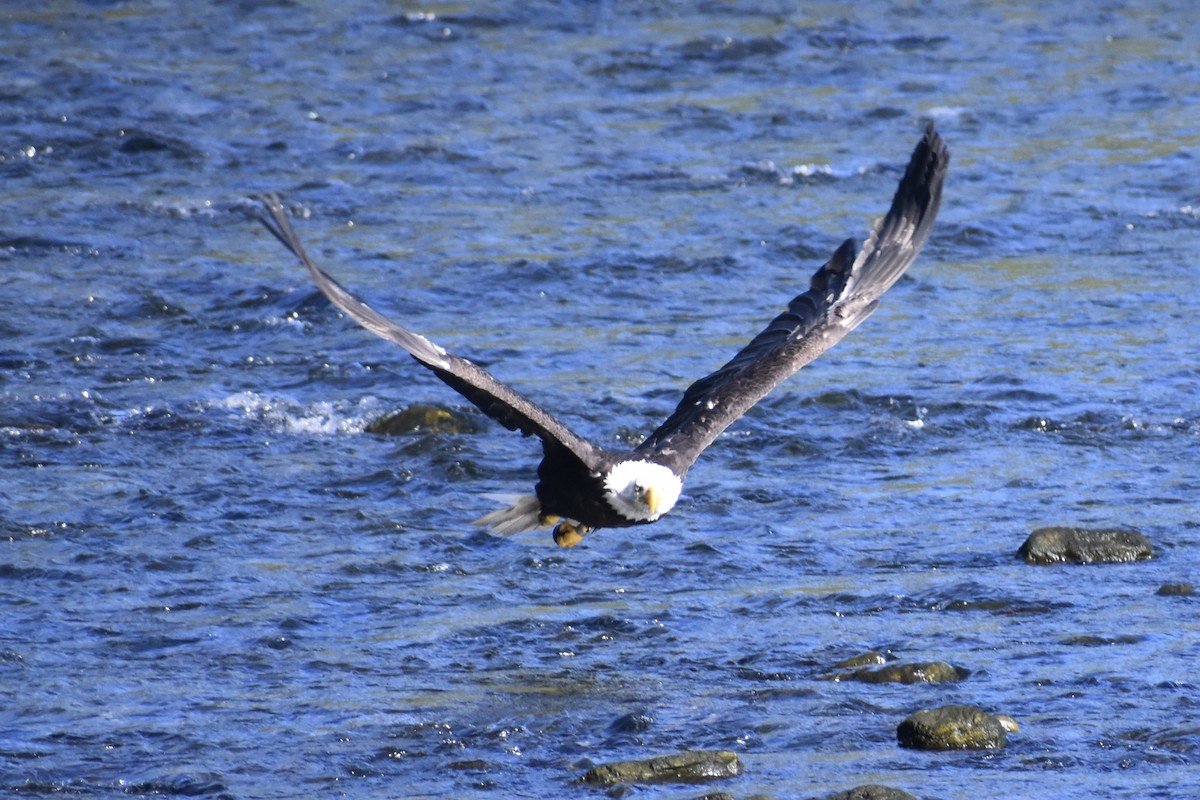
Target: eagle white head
642 491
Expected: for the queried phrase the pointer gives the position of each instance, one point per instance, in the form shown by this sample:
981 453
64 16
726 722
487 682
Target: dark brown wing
843 293
492 397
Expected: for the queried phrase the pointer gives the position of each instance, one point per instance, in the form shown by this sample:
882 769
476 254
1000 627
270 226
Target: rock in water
920 672
954 728
871 658
872 791
420 417
1084 546
692 766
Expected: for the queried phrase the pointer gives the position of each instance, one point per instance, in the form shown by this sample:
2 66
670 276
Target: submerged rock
692 766
920 672
1092 640
872 791
871 658
1085 546
633 722
420 417
954 728
1176 590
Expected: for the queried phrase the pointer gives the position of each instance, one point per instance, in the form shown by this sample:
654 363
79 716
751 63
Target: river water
214 583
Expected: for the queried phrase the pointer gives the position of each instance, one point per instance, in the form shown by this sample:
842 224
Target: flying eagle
582 486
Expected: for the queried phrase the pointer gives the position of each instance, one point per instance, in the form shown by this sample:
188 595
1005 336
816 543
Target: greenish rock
1057 545
919 672
872 791
691 766
1092 640
1008 723
1176 590
954 728
871 658
422 418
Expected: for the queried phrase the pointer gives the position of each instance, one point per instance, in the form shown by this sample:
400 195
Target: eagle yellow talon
569 534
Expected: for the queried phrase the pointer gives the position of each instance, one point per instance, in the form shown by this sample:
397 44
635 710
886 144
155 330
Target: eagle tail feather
521 513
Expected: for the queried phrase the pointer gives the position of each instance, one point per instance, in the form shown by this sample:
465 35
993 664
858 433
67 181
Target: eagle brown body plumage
590 487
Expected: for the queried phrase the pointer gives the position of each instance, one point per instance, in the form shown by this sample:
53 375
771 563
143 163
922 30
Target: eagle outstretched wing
842 294
498 401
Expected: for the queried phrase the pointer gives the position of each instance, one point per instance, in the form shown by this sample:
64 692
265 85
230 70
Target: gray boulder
692 766
1058 545
917 672
954 728
872 791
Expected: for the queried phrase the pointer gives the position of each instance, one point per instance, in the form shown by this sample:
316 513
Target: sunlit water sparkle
214 583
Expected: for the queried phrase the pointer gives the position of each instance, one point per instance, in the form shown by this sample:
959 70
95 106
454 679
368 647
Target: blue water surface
215 583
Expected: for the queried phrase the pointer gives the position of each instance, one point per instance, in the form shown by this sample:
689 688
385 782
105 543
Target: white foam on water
315 418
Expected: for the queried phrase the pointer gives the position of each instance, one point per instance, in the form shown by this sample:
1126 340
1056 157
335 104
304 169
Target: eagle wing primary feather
842 294
498 401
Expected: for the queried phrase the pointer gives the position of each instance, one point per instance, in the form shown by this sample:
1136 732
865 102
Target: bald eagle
582 486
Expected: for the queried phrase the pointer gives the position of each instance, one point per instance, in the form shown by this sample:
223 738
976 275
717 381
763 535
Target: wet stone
142 142
919 672
1058 545
954 728
1176 590
1008 723
692 766
872 791
871 658
1092 640
633 722
422 418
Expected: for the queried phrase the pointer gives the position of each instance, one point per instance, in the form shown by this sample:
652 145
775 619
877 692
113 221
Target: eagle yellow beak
651 498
